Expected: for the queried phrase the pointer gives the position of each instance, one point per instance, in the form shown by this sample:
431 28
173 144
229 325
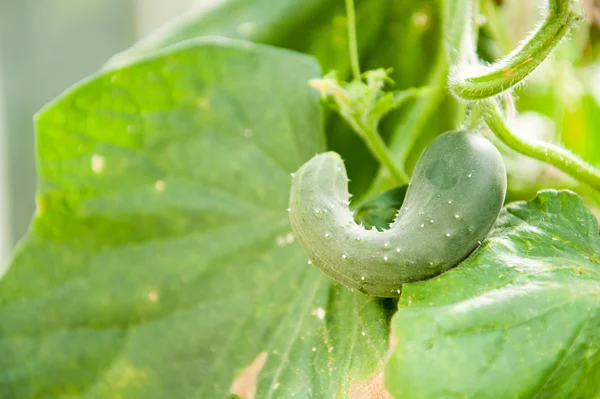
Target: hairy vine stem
508 72
555 155
476 82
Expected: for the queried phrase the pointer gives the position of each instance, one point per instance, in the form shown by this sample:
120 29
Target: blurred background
45 47
48 45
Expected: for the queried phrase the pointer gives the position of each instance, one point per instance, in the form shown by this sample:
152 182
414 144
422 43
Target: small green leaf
519 319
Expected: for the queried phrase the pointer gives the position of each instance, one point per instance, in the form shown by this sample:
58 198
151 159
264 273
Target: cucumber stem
380 151
556 156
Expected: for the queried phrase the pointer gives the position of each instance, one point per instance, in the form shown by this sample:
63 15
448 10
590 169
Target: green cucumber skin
456 193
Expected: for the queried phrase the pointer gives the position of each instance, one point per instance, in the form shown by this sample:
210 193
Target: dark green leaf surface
161 261
519 319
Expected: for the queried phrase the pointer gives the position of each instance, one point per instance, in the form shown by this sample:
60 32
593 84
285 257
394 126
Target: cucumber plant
161 261
378 263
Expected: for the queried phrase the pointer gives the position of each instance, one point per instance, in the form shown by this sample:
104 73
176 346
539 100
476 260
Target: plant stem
546 152
495 28
472 120
352 40
406 133
519 63
378 148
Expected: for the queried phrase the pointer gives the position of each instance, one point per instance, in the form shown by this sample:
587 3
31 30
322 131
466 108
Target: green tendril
557 156
476 82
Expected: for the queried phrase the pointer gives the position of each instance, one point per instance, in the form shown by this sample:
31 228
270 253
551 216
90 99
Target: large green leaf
161 262
387 32
519 319
278 22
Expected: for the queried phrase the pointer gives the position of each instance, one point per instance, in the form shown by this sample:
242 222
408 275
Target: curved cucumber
456 193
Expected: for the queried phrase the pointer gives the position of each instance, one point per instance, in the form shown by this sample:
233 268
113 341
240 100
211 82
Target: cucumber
456 193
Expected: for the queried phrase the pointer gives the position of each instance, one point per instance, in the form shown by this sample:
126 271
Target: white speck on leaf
420 19
319 312
153 296
280 241
289 238
97 163
159 186
248 133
